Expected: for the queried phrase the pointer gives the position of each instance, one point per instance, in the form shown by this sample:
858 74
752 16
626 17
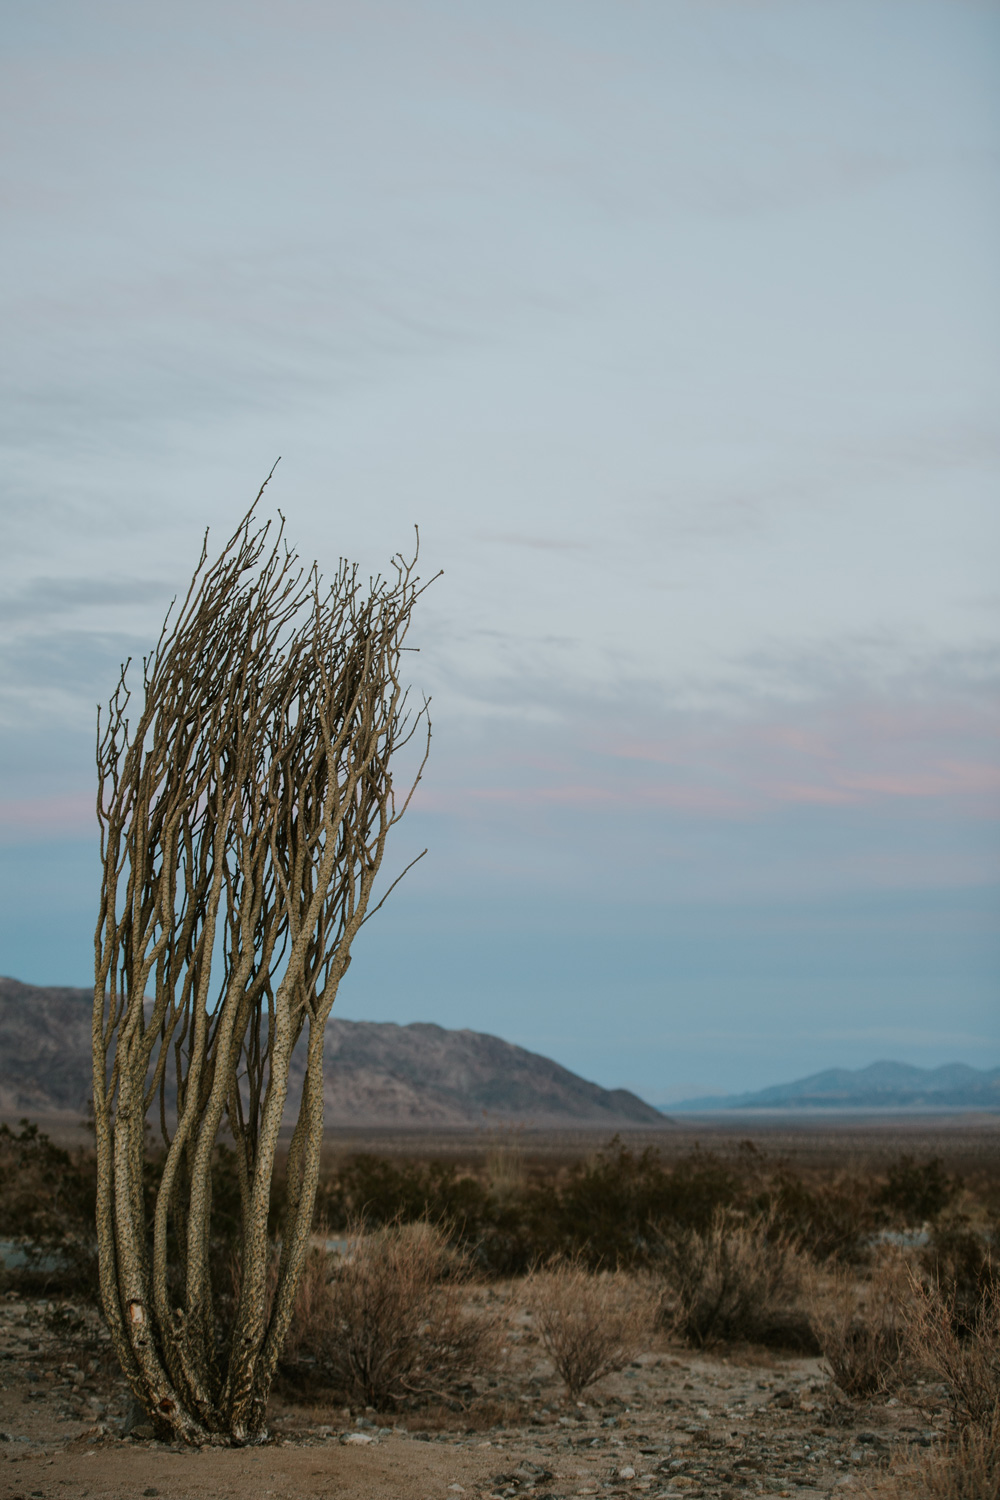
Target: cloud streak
71 816
760 758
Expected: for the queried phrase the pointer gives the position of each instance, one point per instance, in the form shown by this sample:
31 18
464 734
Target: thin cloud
53 679
45 597
56 817
765 763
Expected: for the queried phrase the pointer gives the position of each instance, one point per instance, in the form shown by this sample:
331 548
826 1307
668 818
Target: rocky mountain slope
377 1073
882 1085
44 1049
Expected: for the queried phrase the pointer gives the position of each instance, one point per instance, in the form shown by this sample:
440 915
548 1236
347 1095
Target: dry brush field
813 1314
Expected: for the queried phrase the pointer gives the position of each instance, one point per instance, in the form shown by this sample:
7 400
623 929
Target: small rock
626 1472
357 1437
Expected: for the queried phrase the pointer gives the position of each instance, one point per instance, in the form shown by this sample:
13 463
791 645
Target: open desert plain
747 1400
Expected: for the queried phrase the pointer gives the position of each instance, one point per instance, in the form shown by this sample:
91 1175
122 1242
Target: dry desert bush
831 1218
963 1352
966 1468
47 1207
590 1322
861 1326
736 1280
960 1259
391 1319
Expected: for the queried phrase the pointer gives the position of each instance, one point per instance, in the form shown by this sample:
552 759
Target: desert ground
674 1423
724 1423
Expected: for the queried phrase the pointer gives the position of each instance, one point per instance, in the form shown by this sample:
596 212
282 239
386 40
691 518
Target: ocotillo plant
244 811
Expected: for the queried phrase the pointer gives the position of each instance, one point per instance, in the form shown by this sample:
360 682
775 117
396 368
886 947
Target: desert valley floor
740 1422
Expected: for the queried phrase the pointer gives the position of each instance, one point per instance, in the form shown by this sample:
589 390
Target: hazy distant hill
882 1085
376 1073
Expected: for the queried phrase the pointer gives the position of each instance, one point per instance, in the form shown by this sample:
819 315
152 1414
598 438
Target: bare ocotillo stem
244 811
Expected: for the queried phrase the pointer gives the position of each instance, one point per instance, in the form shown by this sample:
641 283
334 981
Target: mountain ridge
376 1072
881 1085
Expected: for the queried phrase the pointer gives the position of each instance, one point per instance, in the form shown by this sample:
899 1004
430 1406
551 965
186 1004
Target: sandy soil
674 1423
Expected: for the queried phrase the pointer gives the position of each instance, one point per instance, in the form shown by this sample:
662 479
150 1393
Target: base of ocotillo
140 1425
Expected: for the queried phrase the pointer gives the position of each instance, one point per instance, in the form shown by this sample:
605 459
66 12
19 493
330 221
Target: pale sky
676 327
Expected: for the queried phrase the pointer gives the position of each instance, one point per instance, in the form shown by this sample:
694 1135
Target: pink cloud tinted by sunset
852 756
69 816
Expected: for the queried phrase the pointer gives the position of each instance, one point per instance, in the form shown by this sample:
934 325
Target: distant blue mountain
882 1085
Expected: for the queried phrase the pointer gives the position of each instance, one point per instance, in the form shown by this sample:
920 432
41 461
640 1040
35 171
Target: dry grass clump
969 1467
591 1323
931 1329
735 1281
391 1319
861 1327
506 1176
963 1353
966 1468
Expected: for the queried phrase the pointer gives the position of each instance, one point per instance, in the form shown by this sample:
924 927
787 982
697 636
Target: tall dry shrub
736 1280
861 1326
391 1319
590 1322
